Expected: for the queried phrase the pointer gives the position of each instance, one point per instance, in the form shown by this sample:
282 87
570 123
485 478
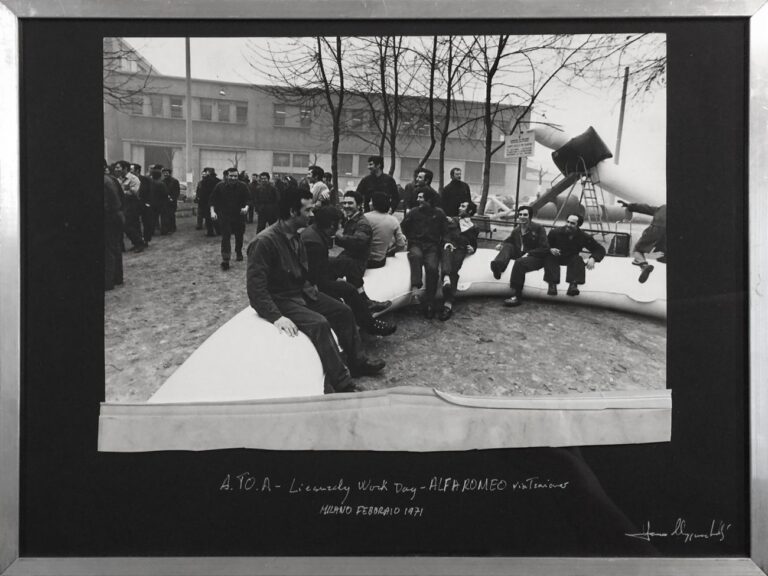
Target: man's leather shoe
381 327
375 306
645 273
367 367
512 301
552 290
445 313
225 265
573 290
496 269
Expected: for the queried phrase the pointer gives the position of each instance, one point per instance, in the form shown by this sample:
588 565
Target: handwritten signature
717 532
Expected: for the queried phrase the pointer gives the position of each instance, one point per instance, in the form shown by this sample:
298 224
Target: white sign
519 144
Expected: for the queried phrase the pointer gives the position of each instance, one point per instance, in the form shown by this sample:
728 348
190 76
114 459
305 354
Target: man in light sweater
387 237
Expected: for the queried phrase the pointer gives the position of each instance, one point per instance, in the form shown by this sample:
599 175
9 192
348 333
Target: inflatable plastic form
249 386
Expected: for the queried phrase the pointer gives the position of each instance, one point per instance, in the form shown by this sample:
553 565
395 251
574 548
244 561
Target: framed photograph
162 426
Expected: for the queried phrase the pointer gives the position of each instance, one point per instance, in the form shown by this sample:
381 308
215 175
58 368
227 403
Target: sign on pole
519 144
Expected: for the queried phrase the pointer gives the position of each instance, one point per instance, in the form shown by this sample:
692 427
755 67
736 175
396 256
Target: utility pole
188 164
621 116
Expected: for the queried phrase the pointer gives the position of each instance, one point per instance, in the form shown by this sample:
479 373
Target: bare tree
514 71
126 75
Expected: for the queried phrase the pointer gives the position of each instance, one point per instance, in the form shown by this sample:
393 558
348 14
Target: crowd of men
299 282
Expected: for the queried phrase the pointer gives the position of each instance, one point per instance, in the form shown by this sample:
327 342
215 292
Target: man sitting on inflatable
565 246
529 247
279 291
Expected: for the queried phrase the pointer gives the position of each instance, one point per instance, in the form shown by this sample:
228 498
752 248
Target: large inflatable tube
618 180
247 359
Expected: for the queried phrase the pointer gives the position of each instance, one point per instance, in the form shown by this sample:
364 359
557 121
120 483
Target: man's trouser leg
576 270
342 320
238 228
500 263
132 223
431 271
342 266
147 222
452 261
521 267
226 242
416 261
552 269
340 289
318 329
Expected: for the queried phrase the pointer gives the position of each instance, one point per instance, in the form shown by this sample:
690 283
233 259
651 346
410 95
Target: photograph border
10 289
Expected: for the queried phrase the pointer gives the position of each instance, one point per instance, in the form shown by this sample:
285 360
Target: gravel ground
175 296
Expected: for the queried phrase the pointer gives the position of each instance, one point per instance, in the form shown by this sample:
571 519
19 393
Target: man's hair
317 172
137 167
290 199
524 207
454 170
229 171
210 170
155 171
264 174
325 216
328 175
167 169
123 164
471 208
428 174
377 161
380 202
356 195
430 196
579 216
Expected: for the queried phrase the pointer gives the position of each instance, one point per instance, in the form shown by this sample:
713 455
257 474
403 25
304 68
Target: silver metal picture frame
11 11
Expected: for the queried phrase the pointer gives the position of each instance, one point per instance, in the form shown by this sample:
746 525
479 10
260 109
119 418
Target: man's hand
590 263
623 203
214 217
286 326
554 251
499 246
244 211
470 250
448 247
339 234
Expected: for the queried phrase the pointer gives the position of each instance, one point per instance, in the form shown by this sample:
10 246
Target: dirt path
175 296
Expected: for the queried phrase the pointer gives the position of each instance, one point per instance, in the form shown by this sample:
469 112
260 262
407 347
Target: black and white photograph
482 217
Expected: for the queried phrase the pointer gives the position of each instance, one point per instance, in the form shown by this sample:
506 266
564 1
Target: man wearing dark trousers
265 196
378 181
654 238
565 246
355 237
174 191
318 239
205 188
454 193
460 241
278 289
528 246
146 205
131 203
229 206
113 234
161 198
425 227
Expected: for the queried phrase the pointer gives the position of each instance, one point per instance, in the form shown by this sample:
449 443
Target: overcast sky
643 147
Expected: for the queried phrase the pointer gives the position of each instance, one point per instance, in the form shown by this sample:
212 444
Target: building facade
262 129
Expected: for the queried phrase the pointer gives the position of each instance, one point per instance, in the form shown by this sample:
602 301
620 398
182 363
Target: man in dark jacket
161 198
205 188
279 290
565 246
355 237
654 238
454 193
229 206
425 228
318 239
174 191
146 204
528 246
460 241
265 196
113 233
131 203
378 181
